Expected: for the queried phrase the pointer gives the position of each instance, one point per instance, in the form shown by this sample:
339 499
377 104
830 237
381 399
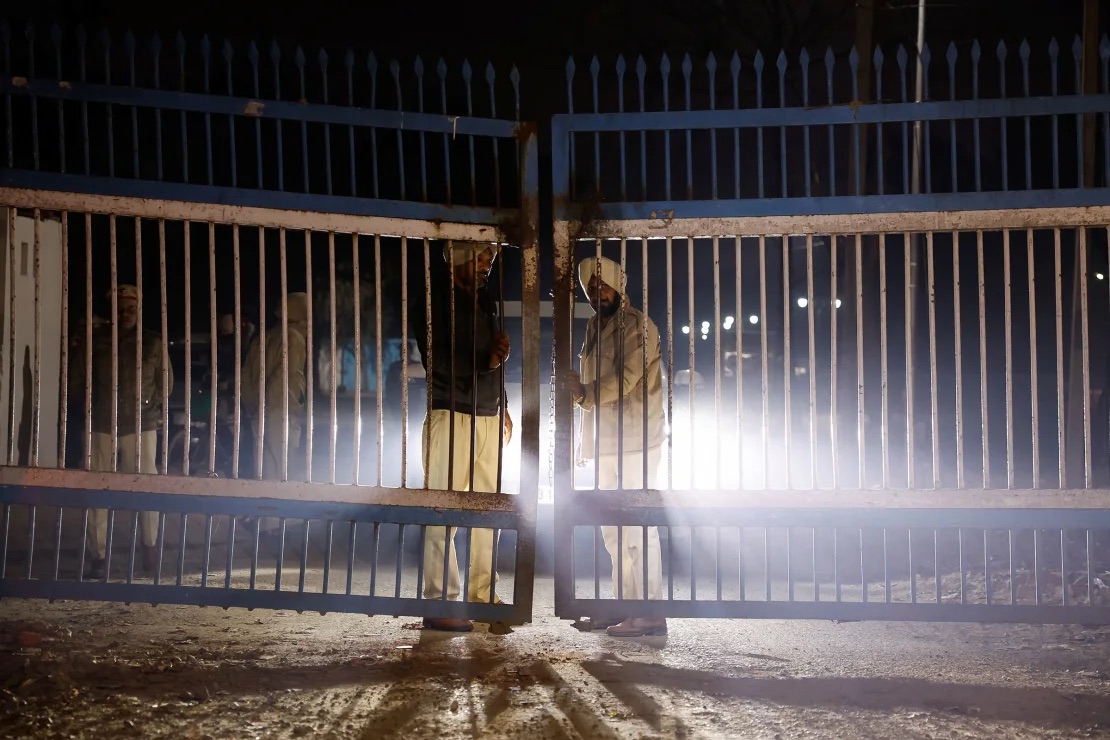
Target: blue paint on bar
271 109
938 110
844 204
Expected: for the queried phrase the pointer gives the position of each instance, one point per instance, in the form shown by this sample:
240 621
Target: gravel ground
111 670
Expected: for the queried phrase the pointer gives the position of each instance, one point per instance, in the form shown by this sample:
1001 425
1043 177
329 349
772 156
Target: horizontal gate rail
143 206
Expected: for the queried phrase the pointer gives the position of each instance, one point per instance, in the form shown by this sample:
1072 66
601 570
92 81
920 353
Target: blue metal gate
878 334
207 195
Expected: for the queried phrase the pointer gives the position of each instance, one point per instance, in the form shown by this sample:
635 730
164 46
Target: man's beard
606 309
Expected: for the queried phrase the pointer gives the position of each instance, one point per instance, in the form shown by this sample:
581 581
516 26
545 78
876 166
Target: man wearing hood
620 393
133 420
263 389
467 399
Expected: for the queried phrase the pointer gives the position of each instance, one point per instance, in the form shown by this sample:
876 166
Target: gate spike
229 53
976 52
780 62
687 65
757 63
299 58
418 67
491 74
252 54
734 64
155 45
275 52
952 54
467 72
711 64
349 59
205 46
56 34
1053 49
1001 52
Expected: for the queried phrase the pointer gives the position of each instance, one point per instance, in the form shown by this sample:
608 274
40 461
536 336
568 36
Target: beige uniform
624 388
142 393
279 438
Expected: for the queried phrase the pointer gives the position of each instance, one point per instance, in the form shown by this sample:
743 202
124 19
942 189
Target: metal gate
219 208
881 382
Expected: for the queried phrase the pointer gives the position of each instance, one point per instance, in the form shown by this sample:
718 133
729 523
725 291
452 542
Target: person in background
138 394
262 398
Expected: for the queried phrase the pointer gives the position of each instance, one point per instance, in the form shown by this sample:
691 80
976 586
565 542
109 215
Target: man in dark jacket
462 433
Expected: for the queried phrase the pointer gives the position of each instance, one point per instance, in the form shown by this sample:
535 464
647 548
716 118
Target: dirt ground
111 670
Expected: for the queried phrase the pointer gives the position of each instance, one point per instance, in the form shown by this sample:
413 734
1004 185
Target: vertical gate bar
4 527
1085 334
734 69
665 69
357 318
781 64
670 564
716 564
983 400
1013 568
1009 359
884 360
134 543
106 44
237 337
740 319
275 57
260 421
620 69
597 566
36 382
863 567
766 562
834 445
86 436
1061 426
299 60
213 356
322 60
57 543
812 360
1023 52
758 66
936 565
165 379
108 541
5 30
909 277
180 43
1090 579
188 386
429 361
886 565
596 302
63 347
279 566
255 536
934 407
441 72
646 476
205 50
952 139
469 559
472 437
963 570
913 571
283 273
1033 371
861 422
502 407
986 564
181 535
351 539
420 563
334 374
670 359
329 532
1037 568
787 366
252 56
717 379
789 564
816 576
231 551
207 557
310 355
837 586
691 357
619 586
765 374
976 52
1065 585
227 53
374 538
961 480
138 385
304 555
114 308
379 424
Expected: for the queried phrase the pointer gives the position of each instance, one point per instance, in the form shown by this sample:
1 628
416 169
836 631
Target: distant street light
803 302
753 319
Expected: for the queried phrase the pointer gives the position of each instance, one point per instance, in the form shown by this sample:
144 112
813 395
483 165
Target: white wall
18 395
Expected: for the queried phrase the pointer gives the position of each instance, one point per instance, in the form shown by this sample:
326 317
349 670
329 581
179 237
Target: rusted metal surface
271 218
